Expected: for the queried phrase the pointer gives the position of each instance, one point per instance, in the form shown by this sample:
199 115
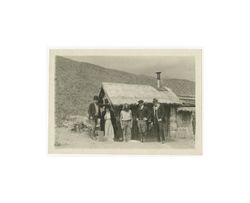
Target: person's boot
94 136
142 138
159 139
163 140
91 134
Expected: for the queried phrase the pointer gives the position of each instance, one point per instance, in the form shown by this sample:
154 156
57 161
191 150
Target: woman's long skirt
109 130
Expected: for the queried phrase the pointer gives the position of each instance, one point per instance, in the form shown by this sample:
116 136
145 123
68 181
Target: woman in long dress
109 128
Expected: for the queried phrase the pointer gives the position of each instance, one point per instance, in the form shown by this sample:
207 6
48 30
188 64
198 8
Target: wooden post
172 122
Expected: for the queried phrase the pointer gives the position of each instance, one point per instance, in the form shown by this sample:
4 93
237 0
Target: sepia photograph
137 101
124 101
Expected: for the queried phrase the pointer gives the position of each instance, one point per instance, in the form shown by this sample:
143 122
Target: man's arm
90 111
162 113
150 115
121 119
131 116
137 113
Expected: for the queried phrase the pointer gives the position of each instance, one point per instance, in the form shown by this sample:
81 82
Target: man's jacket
92 111
142 113
157 115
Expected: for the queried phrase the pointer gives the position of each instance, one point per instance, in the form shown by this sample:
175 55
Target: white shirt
107 116
126 115
155 109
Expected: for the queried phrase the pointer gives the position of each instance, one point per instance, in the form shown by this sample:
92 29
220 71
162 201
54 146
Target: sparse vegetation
78 82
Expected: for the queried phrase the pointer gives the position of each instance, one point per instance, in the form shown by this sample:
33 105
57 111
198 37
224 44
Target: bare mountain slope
78 82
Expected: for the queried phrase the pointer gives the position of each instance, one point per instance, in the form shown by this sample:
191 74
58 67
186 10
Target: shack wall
185 124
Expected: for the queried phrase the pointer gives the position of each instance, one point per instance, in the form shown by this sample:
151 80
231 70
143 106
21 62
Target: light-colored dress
109 130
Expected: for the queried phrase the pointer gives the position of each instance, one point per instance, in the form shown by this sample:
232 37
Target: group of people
102 116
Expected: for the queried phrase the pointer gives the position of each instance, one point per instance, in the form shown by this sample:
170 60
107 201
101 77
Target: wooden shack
186 122
118 94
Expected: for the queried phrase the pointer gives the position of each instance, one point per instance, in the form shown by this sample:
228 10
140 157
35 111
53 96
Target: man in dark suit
158 118
93 116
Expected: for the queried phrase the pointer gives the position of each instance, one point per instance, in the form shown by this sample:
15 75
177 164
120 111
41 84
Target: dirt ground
68 139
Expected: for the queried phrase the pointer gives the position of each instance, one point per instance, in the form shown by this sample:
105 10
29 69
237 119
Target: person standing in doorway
93 112
126 122
141 118
158 118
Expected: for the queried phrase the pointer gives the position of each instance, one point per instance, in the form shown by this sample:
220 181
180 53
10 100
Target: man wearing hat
93 116
142 117
158 118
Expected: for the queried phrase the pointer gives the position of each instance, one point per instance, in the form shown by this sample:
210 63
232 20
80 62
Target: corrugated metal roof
181 87
120 93
187 100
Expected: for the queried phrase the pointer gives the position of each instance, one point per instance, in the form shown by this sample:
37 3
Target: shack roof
190 109
181 87
120 93
187 100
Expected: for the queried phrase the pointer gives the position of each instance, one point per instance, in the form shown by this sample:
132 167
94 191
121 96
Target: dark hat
140 101
106 101
155 100
96 98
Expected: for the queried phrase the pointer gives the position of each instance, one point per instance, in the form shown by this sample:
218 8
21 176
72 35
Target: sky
179 67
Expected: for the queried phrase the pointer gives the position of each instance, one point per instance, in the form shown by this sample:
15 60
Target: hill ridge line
121 71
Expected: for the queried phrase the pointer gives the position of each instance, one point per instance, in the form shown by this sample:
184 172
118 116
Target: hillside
78 82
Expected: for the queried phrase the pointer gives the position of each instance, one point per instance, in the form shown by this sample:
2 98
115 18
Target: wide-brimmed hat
140 101
106 101
155 100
